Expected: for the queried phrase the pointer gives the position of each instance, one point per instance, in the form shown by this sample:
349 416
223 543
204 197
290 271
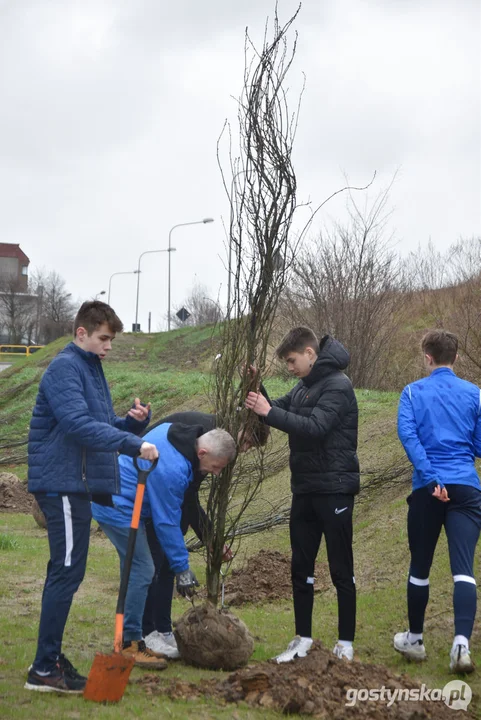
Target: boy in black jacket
321 417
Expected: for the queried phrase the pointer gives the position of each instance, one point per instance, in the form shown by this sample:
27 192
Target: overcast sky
110 111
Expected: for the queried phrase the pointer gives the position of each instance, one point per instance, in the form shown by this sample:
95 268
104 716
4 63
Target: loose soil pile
266 577
14 496
215 639
315 685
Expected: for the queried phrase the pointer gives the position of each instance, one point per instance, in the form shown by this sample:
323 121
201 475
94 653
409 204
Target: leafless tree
349 283
55 307
17 312
261 188
203 309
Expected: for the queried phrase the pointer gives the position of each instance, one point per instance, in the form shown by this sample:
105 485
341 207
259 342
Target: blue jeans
158 606
141 576
68 527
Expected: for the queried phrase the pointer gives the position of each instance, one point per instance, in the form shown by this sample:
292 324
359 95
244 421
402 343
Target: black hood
183 438
332 357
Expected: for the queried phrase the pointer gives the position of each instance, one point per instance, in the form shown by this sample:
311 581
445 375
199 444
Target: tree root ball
213 639
38 515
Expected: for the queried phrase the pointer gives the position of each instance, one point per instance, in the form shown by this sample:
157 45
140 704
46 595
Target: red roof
10 250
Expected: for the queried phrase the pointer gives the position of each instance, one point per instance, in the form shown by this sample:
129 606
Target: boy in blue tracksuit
439 425
73 447
183 452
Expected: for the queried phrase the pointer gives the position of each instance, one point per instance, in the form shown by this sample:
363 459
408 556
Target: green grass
172 372
380 550
7 542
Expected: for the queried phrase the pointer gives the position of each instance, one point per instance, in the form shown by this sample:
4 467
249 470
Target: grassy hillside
172 372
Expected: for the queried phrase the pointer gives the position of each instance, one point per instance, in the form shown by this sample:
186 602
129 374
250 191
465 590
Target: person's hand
148 451
227 554
441 493
258 403
139 412
186 583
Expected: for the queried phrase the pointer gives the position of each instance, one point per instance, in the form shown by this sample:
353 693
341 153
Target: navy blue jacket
74 433
439 425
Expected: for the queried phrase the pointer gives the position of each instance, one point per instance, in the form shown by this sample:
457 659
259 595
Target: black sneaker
56 681
65 666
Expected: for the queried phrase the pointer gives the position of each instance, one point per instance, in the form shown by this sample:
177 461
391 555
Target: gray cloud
111 111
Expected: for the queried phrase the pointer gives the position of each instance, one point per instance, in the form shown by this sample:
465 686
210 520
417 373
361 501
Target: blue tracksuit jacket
439 425
165 489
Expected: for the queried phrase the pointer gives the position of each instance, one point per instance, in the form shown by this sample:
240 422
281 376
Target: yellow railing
19 349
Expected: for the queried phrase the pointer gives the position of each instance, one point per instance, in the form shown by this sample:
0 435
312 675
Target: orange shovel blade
108 677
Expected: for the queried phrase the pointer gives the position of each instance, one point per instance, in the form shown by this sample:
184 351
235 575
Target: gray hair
219 443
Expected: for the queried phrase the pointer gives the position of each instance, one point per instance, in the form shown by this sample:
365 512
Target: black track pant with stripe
68 525
312 516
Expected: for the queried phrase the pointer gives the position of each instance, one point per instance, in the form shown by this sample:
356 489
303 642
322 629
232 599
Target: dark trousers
312 516
68 526
158 607
461 518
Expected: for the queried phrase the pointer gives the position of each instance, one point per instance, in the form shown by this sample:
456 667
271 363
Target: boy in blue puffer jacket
73 443
439 425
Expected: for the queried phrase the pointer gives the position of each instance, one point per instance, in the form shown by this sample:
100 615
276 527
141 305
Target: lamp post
147 252
102 292
170 249
125 272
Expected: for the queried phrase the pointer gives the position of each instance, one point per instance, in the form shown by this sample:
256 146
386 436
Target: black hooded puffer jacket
321 417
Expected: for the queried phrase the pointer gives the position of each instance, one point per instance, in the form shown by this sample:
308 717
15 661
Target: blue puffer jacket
74 433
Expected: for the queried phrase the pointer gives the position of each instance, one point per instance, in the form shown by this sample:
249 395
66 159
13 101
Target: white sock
345 643
305 638
414 637
461 640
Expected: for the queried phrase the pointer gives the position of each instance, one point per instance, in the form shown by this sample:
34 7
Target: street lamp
125 272
170 249
102 292
147 252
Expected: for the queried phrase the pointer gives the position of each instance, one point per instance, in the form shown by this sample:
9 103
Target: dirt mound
318 685
266 577
213 639
14 496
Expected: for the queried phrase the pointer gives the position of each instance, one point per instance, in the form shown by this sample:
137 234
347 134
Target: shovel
109 674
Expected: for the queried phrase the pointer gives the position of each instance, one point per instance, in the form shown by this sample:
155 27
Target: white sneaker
412 651
299 647
460 660
162 645
344 652
169 638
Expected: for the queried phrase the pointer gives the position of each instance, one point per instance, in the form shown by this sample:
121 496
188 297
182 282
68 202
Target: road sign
183 314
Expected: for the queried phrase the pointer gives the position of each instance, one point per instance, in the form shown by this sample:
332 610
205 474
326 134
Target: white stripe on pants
67 516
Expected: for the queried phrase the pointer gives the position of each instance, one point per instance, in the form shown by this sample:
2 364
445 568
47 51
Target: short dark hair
441 345
297 340
94 313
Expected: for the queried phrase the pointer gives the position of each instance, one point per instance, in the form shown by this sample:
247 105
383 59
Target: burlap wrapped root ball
213 639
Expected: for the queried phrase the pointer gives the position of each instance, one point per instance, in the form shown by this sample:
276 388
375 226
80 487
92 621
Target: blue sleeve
477 435
130 424
166 495
408 435
65 394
